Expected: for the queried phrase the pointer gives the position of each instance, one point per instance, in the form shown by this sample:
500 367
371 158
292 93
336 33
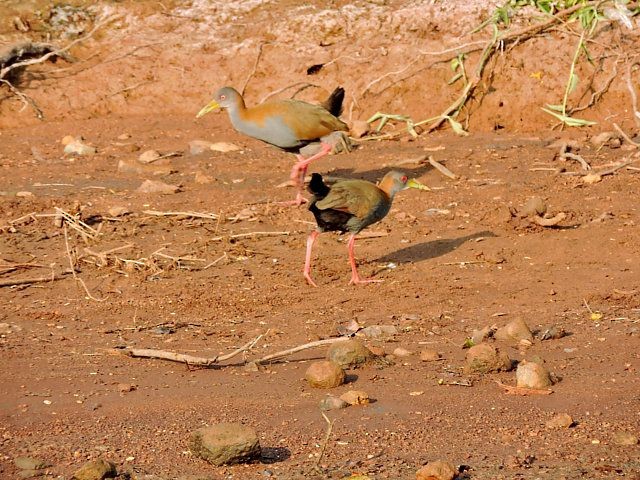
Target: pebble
378 331
118 211
332 403
202 178
77 147
534 206
478 336
24 194
6 328
225 443
532 375
155 186
554 332
436 470
484 358
224 147
30 463
149 156
126 387
325 374
429 356
401 352
625 438
359 128
561 420
196 147
514 332
134 167
96 470
124 136
349 353
356 397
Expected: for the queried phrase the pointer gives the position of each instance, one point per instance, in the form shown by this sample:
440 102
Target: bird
287 124
351 206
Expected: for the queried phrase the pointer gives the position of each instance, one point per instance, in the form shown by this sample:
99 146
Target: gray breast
274 131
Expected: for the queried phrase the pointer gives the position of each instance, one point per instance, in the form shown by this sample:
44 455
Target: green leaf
573 82
457 127
570 121
557 108
455 63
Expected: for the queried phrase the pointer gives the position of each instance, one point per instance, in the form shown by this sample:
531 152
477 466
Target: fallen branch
574 156
253 70
24 98
189 359
156 213
441 168
510 390
73 268
596 177
210 361
325 442
24 281
625 136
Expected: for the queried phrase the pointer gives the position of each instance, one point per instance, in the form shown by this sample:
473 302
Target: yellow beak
413 183
212 105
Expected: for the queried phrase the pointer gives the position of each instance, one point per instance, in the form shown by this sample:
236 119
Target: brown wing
356 197
308 122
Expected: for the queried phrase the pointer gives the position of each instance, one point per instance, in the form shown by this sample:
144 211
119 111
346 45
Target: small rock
484 358
478 336
532 375
124 136
437 470
378 331
78 148
30 473
224 147
118 211
429 356
325 374
552 333
30 463
377 350
225 443
332 403
155 186
6 328
149 156
359 128
401 352
356 397
561 420
349 353
67 139
514 332
126 387
24 194
625 438
534 206
96 470
134 167
202 179
196 147
603 138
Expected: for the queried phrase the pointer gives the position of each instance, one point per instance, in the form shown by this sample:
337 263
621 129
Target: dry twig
510 390
24 281
253 70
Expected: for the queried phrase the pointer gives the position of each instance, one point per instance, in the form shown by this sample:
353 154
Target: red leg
355 278
307 261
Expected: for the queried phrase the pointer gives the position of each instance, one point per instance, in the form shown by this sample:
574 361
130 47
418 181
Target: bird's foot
299 200
356 280
309 279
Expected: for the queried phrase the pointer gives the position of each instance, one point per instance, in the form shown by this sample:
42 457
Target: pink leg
307 261
355 278
299 170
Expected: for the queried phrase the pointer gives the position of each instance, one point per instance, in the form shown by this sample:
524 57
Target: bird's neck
388 186
237 111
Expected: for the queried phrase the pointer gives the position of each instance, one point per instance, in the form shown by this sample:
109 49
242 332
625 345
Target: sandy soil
453 260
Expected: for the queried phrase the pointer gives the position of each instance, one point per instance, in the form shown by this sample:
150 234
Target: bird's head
226 97
394 182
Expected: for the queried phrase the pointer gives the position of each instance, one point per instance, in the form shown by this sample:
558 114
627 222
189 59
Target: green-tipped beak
413 183
212 105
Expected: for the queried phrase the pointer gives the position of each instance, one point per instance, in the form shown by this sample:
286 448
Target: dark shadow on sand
431 249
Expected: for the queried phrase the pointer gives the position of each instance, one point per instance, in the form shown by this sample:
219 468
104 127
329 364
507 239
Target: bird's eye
222 97
404 179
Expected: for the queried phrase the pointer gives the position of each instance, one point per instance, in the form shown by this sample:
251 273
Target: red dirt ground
462 261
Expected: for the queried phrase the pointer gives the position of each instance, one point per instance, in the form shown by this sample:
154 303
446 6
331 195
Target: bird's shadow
431 249
374 175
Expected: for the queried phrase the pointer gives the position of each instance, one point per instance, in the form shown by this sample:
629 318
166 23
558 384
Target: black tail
333 104
317 187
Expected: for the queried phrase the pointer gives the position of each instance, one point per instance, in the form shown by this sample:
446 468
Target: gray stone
532 375
437 470
514 332
30 463
484 358
96 470
378 331
332 403
225 443
349 353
